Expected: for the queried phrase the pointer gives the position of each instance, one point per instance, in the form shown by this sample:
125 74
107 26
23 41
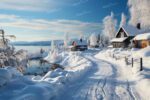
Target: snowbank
53 57
5 76
19 87
75 66
45 87
143 52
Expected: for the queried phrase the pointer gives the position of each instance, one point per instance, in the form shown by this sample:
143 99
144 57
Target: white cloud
109 5
83 13
34 5
140 12
56 27
79 2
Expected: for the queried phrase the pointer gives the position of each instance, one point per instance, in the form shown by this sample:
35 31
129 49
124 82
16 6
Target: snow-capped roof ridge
119 39
144 36
131 30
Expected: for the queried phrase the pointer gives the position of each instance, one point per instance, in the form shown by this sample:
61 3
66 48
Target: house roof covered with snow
144 36
119 39
130 30
78 42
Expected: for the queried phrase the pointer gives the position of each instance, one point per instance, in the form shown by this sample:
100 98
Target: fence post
141 64
132 62
126 60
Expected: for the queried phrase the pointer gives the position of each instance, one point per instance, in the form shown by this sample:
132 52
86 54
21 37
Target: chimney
81 40
138 26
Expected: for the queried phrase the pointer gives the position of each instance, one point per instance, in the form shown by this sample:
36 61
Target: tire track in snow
100 89
96 92
134 95
129 91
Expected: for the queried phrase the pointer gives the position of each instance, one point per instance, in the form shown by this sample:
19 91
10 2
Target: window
122 34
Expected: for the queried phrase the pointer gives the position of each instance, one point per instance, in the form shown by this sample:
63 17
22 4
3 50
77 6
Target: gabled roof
130 30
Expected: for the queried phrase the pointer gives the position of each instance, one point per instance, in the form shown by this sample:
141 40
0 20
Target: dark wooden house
142 40
124 36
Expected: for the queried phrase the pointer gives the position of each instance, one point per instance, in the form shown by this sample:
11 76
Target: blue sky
36 20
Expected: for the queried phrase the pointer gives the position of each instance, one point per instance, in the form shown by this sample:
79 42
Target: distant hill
35 43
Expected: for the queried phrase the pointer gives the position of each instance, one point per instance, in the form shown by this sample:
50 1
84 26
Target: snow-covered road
105 81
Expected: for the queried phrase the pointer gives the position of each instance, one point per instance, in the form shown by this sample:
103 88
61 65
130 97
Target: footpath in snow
104 81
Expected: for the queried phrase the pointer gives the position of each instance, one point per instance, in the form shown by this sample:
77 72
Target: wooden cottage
124 36
142 40
78 45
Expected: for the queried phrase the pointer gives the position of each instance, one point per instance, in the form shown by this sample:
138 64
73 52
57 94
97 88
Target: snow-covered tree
53 56
139 12
109 28
123 20
52 45
66 40
93 40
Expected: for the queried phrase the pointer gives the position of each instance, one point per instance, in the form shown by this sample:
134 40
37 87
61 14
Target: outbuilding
124 36
142 40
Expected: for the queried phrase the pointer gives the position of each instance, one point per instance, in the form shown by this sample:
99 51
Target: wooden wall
141 43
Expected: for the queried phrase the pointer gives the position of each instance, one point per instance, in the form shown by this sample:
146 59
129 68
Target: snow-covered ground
137 82
19 87
110 78
91 75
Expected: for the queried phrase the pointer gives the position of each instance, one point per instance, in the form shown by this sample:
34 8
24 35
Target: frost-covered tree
52 45
53 56
139 12
66 40
123 20
93 40
109 28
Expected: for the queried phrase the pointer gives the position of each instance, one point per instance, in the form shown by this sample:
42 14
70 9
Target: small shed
142 40
124 36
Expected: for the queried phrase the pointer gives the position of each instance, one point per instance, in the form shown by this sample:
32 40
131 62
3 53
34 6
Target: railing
134 62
